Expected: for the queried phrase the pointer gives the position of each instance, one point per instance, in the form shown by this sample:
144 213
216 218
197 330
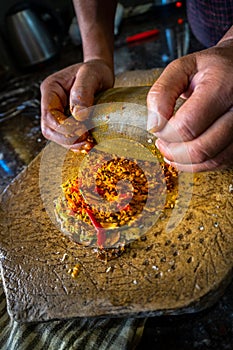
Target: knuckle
46 82
198 153
185 127
177 64
188 134
157 90
185 131
45 132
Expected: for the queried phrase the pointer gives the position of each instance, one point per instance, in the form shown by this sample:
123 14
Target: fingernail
77 147
164 150
152 121
159 144
79 112
155 122
167 161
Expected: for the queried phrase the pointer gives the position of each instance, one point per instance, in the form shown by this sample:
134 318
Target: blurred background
168 17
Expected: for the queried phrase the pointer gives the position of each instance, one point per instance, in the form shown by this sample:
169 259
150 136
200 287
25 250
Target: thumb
92 77
83 91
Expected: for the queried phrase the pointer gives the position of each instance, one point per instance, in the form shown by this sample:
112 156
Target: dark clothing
209 19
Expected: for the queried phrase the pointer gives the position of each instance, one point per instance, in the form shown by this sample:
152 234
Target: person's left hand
200 135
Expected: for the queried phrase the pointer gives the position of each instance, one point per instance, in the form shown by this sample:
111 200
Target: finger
64 140
83 147
52 109
80 145
53 103
82 97
54 95
71 128
197 114
92 77
222 161
52 119
83 91
65 135
53 100
205 147
169 86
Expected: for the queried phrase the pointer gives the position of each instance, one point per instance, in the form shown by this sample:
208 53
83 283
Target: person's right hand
73 87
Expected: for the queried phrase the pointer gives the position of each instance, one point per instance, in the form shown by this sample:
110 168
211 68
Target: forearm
96 23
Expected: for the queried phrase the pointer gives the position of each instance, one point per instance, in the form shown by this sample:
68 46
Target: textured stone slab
182 265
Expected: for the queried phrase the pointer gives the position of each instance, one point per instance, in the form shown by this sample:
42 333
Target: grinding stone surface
179 267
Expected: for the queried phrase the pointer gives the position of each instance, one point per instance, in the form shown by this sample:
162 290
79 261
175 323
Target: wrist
101 62
98 47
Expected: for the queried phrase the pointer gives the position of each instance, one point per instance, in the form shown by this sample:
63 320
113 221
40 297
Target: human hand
200 135
74 86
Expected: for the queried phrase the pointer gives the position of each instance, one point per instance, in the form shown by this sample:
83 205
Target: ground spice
122 186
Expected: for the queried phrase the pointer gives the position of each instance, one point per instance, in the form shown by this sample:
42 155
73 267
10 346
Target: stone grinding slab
184 269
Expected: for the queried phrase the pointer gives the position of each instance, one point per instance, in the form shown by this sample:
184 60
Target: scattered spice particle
159 275
149 247
168 242
145 262
176 253
65 256
143 238
75 271
186 246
